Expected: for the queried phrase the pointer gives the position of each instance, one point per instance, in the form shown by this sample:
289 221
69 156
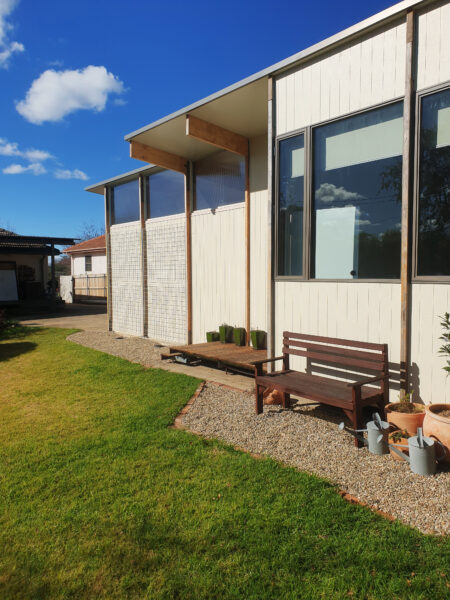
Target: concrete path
89 317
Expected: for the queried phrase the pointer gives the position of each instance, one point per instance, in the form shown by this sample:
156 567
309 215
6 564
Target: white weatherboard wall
126 279
433 61
166 276
429 301
218 269
259 200
98 264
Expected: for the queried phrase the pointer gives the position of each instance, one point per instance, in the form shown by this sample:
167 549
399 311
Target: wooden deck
236 358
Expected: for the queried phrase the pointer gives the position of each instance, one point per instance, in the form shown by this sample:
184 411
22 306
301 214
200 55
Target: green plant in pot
226 333
258 338
437 416
212 336
239 336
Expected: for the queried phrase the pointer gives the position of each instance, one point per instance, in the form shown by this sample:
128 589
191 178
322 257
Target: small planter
258 338
437 425
239 336
405 421
226 334
212 336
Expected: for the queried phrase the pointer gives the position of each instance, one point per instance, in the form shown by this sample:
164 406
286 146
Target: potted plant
258 338
399 439
239 336
212 336
437 416
225 333
405 414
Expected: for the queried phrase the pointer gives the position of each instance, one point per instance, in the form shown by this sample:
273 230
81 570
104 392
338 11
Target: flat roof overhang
44 251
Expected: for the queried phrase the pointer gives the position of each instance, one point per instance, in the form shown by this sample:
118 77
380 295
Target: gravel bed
307 437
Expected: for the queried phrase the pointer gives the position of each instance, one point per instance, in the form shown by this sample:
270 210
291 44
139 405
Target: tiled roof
97 243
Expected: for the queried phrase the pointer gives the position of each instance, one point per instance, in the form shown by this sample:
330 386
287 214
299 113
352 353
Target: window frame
86 257
308 200
111 189
415 278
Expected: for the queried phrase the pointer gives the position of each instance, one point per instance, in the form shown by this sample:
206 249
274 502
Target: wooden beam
188 210
173 162
107 197
247 246
217 136
270 221
143 183
407 188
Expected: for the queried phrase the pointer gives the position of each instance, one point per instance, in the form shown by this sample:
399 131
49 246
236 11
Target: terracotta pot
401 445
438 427
405 421
272 397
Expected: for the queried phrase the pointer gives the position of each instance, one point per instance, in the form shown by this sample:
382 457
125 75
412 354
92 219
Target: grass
100 499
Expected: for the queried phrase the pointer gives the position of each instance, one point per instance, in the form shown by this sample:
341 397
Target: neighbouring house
87 282
313 196
24 269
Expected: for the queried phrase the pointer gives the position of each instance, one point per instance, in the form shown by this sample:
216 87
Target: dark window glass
219 180
166 194
290 206
433 248
125 202
88 263
356 216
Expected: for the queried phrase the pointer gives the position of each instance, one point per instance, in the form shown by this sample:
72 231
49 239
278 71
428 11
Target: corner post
270 220
53 287
247 245
407 189
107 196
188 178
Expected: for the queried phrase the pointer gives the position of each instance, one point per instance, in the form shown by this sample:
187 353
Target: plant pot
258 338
212 336
226 334
405 421
239 336
438 427
401 444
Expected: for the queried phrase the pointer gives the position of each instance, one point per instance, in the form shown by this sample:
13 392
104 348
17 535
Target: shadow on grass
8 351
16 332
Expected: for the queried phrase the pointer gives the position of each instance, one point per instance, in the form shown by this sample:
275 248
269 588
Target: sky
76 77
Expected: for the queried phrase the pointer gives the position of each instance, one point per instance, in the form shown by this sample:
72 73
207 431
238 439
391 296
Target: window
433 236
291 152
88 263
166 194
219 180
125 202
356 197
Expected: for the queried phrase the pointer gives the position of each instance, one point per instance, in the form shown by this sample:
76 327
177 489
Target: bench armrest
366 381
259 363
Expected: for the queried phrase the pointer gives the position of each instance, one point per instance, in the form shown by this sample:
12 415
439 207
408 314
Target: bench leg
286 400
357 423
259 393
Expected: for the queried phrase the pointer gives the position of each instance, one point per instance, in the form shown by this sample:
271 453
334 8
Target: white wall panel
429 301
98 264
218 269
433 66
359 75
166 279
126 279
368 312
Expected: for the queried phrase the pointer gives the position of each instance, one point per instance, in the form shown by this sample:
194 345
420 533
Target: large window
291 152
433 242
125 202
219 180
356 197
166 194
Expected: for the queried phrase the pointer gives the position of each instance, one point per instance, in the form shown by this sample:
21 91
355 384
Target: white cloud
33 155
55 94
70 174
328 192
7 47
16 169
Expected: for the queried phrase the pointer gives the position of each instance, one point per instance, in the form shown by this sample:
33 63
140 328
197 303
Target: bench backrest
337 351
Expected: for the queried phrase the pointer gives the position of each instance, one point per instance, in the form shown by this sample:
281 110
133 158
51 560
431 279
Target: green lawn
100 499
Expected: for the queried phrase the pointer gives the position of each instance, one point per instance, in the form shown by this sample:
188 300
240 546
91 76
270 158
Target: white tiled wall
126 277
166 275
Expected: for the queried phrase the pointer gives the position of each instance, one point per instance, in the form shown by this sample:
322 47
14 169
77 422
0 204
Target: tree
90 230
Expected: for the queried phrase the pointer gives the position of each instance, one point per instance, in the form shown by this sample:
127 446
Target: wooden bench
342 358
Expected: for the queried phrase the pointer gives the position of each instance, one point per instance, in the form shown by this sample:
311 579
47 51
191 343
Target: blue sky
75 77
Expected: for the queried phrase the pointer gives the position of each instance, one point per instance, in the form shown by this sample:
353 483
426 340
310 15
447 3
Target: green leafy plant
398 435
445 348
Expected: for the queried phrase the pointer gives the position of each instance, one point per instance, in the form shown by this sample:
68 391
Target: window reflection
219 180
433 249
125 202
166 194
356 212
